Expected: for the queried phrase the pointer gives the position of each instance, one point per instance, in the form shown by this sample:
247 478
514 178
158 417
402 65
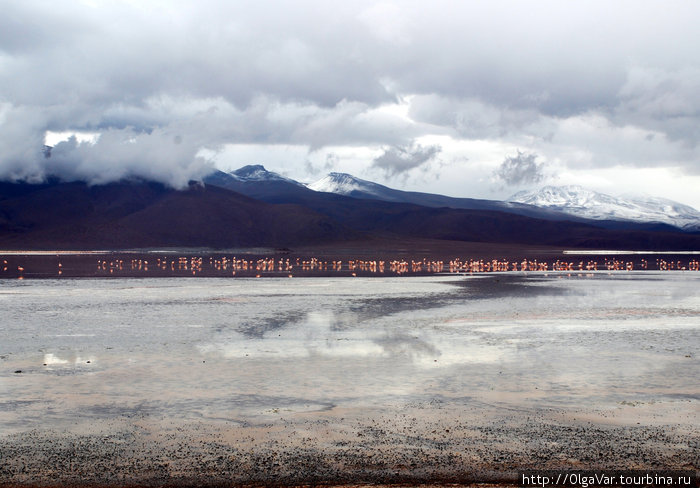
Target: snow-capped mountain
257 172
251 176
345 184
581 202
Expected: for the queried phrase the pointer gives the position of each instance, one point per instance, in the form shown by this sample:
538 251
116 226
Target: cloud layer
173 87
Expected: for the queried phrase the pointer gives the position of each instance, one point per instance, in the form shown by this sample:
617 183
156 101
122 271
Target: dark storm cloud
396 160
119 52
521 169
321 73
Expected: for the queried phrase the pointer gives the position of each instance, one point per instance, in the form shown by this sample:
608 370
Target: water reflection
401 344
52 361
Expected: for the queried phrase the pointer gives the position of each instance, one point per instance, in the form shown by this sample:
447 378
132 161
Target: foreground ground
425 443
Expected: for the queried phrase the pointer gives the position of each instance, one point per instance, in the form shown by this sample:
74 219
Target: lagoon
444 377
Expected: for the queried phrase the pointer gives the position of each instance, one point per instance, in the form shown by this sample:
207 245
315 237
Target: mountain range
551 203
253 207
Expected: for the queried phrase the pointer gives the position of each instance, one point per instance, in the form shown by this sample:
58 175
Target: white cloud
387 21
53 138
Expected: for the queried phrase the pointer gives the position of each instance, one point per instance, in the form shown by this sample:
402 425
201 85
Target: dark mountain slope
215 217
144 214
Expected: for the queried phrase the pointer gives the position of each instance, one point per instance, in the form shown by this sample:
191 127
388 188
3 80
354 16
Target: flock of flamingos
291 267
233 266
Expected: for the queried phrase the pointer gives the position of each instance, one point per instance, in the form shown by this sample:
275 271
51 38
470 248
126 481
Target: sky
464 98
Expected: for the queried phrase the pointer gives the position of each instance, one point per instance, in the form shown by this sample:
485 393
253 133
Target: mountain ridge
256 210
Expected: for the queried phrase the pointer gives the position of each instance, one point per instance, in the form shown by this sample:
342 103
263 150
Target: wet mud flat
424 380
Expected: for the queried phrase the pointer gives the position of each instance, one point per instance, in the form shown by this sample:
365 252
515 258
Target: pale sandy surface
420 380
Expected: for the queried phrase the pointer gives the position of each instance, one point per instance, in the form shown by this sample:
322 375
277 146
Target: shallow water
244 350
